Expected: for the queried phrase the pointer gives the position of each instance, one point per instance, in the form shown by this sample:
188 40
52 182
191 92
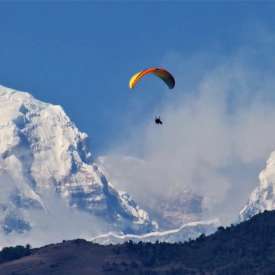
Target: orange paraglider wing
159 72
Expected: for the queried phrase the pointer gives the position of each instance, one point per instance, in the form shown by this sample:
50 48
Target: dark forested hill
247 248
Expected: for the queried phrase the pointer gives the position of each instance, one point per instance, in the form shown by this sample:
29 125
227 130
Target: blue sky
81 55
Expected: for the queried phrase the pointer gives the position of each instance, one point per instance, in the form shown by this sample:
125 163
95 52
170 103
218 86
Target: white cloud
219 128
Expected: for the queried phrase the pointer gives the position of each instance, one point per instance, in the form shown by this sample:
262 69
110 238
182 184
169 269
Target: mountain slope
47 172
263 197
247 248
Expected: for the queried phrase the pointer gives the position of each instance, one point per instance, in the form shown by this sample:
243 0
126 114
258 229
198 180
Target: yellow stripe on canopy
161 73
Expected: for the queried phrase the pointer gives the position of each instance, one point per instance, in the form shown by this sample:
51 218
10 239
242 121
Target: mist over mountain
169 205
53 189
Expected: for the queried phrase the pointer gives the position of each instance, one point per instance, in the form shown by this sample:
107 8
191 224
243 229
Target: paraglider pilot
158 120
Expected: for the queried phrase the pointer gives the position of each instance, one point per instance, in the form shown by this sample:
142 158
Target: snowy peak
42 151
263 197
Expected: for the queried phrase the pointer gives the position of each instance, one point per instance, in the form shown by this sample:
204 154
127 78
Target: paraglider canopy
159 72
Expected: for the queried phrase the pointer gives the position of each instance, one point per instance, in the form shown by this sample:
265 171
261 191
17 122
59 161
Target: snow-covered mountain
44 157
263 197
188 231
